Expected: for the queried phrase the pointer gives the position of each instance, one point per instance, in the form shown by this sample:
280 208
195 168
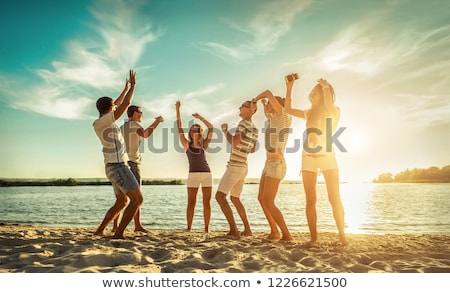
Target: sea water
369 208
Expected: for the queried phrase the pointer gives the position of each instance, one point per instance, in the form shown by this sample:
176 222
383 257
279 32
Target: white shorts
233 180
313 163
195 179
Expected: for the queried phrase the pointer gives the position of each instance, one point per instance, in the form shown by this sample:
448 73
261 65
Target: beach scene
50 229
367 80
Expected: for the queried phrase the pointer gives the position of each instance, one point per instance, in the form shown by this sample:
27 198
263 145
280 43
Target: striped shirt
249 136
277 131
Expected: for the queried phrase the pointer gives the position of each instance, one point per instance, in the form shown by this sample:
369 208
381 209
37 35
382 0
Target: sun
356 141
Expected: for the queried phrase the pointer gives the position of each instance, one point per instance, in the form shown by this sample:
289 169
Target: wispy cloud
412 52
262 32
100 62
191 102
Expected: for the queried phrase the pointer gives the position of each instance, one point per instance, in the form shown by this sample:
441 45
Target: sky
388 62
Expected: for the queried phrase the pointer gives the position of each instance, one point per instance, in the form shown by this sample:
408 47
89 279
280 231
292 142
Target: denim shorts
275 169
136 170
121 177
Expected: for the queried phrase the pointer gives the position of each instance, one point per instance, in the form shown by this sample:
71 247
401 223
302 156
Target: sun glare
356 142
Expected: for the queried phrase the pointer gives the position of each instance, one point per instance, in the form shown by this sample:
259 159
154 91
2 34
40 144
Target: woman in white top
318 153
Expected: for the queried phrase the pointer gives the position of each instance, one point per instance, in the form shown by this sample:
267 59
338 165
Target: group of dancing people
122 157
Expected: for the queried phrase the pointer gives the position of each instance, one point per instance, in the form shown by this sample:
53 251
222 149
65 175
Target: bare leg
270 192
113 212
274 233
242 213
226 209
207 192
136 200
332 181
115 223
135 169
137 222
192 200
309 184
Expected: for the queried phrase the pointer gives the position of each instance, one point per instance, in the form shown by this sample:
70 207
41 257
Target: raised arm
288 104
128 96
266 112
235 139
119 99
272 100
327 94
149 130
208 138
181 136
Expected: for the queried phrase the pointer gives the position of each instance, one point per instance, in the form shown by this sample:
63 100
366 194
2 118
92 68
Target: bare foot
273 236
343 240
142 229
311 244
313 240
99 232
246 233
286 238
234 233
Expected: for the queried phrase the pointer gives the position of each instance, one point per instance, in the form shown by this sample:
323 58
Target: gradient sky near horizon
389 62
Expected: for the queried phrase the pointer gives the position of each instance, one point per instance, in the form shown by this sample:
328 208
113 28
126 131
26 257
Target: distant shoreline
18 182
417 175
80 182
9 182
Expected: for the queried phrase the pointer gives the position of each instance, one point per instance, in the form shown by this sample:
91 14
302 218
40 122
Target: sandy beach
34 249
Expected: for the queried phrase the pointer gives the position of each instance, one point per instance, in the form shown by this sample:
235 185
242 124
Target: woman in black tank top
199 172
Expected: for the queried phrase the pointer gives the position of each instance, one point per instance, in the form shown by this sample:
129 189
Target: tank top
197 159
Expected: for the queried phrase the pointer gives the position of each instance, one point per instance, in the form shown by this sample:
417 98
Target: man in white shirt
115 156
132 132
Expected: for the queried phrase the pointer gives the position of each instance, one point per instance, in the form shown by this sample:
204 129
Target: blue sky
387 60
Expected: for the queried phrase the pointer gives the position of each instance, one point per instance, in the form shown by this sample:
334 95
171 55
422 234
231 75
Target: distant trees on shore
74 182
431 175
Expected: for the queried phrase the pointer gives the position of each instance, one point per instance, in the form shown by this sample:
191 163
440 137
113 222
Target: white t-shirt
110 136
132 140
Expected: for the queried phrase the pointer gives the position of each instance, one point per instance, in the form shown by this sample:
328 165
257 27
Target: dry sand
35 249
